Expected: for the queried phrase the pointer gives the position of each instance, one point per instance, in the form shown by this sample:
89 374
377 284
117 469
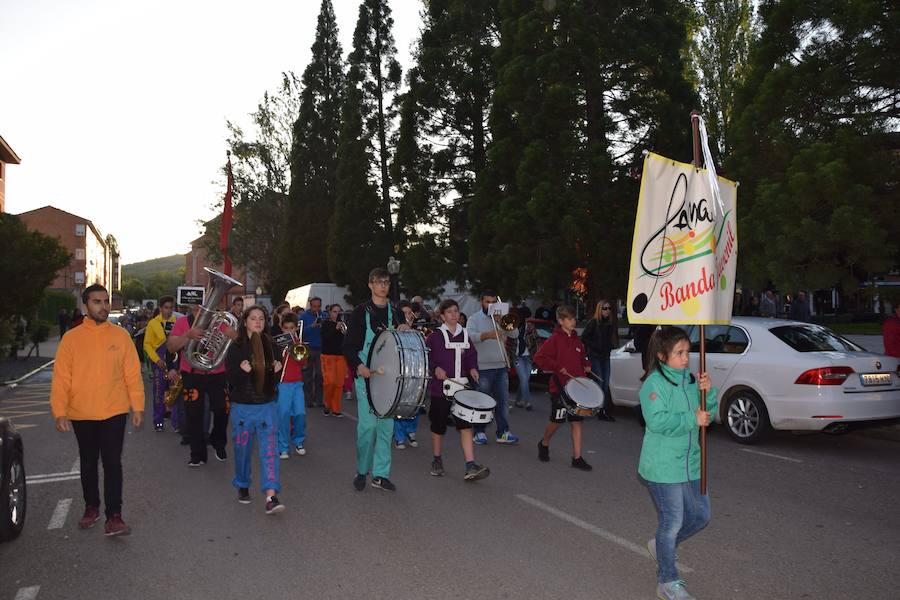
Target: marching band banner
684 252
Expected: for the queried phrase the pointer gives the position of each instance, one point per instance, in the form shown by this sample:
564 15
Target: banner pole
695 131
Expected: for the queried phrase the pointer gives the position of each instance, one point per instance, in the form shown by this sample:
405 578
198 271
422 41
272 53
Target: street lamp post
393 267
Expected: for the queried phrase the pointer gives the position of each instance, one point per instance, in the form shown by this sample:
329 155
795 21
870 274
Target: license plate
868 379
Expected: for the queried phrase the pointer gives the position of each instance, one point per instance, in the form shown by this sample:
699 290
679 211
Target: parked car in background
13 497
780 374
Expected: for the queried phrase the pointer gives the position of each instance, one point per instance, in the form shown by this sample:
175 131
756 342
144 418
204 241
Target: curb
13 383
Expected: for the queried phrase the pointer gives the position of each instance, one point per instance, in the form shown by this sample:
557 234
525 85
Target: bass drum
399 364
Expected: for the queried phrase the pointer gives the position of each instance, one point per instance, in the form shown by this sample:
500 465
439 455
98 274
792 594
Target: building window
79 277
79 253
79 229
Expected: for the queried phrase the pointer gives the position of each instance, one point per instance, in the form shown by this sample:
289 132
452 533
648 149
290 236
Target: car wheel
13 498
745 417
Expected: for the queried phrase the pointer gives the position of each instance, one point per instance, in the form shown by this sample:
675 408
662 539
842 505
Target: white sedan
778 374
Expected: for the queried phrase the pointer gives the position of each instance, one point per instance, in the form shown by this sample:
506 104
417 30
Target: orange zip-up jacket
97 374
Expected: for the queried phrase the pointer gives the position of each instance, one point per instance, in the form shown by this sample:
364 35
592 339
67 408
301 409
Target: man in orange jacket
96 381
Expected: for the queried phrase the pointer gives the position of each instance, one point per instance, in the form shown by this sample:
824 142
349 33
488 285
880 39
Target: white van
328 292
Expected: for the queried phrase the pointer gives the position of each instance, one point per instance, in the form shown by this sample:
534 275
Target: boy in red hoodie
291 404
564 356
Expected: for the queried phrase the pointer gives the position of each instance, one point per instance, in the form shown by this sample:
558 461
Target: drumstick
457 382
581 383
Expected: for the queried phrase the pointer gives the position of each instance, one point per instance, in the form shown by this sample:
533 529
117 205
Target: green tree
443 133
133 289
28 271
261 168
721 52
377 76
313 189
357 242
815 145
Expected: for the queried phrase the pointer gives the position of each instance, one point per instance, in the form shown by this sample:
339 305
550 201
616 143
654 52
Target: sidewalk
11 369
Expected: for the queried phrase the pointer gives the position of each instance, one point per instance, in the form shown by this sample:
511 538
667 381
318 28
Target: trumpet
298 349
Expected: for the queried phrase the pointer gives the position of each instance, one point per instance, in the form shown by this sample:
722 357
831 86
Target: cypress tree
374 56
313 190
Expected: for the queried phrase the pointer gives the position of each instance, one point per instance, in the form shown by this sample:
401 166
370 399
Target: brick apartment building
95 259
197 258
7 157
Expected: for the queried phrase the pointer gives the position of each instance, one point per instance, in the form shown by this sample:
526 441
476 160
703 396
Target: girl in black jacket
600 337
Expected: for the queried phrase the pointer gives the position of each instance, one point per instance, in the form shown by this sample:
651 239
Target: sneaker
196 463
412 440
399 445
348 395
359 482
159 427
273 506
437 468
507 438
476 472
326 412
116 526
580 463
383 483
244 495
480 439
673 590
543 452
90 517
528 406
299 449
284 455
338 415
221 455
520 404
651 548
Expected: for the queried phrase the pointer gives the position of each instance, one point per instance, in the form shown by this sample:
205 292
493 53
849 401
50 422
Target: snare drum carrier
468 405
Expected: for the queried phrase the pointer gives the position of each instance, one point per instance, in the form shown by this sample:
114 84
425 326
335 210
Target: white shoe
299 449
412 440
284 455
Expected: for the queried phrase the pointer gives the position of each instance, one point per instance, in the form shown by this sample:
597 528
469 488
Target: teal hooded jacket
671 449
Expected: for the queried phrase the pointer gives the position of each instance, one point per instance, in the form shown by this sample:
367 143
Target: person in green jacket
670 455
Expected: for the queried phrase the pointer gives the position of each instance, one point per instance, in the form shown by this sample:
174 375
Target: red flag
226 222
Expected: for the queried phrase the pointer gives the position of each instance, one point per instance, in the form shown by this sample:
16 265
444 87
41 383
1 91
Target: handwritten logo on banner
684 252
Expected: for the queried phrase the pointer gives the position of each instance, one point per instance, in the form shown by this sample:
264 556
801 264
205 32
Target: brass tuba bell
509 322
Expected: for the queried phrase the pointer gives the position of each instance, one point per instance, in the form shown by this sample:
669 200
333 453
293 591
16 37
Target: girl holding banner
670 455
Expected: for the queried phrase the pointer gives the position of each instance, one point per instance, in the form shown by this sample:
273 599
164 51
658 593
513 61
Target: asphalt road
810 516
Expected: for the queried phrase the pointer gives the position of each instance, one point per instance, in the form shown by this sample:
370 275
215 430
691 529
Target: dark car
12 482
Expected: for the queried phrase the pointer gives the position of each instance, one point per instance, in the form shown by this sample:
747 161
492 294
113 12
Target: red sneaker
116 526
91 516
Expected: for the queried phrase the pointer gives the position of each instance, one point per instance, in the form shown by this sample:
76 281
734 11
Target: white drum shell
473 407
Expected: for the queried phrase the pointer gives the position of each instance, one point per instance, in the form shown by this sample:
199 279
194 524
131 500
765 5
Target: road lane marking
796 460
608 536
60 513
28 593
55 479
48 475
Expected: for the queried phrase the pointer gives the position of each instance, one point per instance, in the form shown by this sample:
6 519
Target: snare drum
399 389
582 397
473 407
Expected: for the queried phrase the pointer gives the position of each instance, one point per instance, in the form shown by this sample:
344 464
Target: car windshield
812 338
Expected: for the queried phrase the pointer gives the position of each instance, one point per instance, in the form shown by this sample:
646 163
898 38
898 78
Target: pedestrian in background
670 454
891 332
63 320
600 336
334 365
800 308
96 381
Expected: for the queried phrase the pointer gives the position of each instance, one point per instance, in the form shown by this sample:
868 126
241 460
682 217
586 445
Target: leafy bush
52 302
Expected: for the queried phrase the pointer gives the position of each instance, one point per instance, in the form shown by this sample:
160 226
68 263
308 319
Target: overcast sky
118 109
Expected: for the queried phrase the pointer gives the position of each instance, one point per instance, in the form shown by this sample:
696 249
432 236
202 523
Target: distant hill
143 270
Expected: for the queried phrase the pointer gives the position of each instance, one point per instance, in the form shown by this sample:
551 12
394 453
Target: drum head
584 392
383 388
474 399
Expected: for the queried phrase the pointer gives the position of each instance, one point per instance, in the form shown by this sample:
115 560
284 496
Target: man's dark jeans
101 440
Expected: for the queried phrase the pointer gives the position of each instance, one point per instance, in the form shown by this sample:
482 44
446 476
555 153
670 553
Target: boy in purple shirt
450 356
